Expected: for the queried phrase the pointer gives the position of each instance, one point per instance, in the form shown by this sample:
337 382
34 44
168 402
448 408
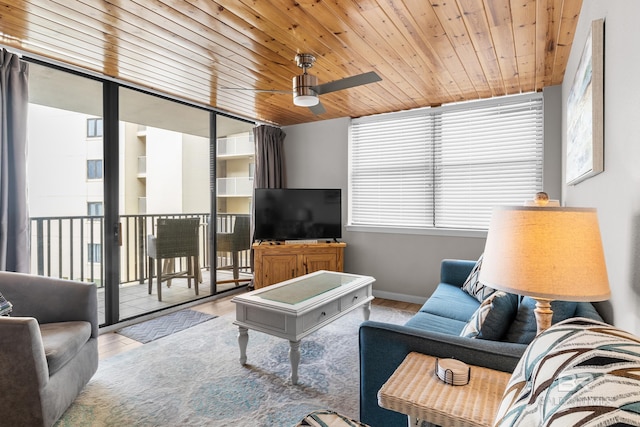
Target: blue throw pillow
497 323
492 319
524 327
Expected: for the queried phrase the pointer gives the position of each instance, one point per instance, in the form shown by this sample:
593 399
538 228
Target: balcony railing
71 247
234 187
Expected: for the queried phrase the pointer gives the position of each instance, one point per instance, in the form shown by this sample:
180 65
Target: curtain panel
270 165
14 215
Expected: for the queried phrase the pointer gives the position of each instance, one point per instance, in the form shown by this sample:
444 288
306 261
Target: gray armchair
48 348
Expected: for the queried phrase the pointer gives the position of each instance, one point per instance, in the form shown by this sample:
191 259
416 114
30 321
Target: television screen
297 214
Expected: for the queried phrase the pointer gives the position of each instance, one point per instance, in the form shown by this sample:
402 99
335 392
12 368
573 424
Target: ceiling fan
306 88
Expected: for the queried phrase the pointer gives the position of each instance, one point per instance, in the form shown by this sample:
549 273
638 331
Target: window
94 128
94 169
94 209
94 252
445 167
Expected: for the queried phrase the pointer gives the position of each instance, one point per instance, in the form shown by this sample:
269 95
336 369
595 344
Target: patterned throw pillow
326 418
577 372
473 286
498 305
5 306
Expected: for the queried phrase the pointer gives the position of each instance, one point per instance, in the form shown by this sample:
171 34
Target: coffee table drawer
320 314
353 298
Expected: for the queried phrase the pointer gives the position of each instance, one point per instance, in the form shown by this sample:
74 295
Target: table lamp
547 253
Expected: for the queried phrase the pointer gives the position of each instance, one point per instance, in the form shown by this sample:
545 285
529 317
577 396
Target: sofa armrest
455 271
50 299
22 359
384 346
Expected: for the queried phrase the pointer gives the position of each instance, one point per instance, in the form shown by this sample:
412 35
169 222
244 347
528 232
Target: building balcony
72 248
234 187
235 146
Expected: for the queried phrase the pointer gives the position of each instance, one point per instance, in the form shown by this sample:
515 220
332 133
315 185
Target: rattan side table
415 390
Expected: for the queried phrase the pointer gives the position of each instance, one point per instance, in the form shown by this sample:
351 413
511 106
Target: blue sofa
436 329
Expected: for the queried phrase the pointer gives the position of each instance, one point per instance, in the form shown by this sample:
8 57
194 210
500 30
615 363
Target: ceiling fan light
305 100
304 94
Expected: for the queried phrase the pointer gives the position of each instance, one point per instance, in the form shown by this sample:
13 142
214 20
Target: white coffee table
295 308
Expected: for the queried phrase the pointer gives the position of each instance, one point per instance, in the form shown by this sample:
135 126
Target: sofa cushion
451 302
524 327
473 286
492 319
577 372
62 341
434 323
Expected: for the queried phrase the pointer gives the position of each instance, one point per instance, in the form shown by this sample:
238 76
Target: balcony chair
48 348
175 238
235 242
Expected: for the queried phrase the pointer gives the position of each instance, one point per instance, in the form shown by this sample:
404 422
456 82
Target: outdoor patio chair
235 242
175 238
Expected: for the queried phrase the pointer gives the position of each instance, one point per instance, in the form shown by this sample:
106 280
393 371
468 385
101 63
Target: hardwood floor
111 343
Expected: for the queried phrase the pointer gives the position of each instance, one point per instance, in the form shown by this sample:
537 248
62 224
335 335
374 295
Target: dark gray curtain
14 215
270 166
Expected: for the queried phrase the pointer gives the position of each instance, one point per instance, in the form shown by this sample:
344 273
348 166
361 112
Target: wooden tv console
277 262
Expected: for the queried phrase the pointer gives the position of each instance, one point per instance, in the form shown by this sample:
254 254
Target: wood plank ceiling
428 52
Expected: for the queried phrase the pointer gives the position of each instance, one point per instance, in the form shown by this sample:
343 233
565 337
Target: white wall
406 267
164 171
616 191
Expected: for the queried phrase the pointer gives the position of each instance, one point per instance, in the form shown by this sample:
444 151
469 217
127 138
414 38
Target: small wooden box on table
414 389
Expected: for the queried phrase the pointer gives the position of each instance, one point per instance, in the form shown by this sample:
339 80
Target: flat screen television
297 214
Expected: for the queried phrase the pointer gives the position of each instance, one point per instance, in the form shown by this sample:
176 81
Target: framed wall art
585 117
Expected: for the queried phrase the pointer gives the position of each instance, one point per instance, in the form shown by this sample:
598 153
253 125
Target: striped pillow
577 372
473 286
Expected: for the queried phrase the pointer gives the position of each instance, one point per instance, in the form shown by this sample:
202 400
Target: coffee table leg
243 339
367 310
294 356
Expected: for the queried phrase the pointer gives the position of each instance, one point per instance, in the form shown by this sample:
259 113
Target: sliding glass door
66 176
235 165
110 167
164 174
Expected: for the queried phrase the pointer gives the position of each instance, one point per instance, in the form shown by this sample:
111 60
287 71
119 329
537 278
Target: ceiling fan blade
347 82
256 90
317 109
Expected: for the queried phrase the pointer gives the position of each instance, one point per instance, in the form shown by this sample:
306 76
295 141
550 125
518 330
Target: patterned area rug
194 378
163 326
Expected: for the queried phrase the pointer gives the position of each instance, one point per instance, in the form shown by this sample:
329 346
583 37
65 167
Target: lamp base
544 314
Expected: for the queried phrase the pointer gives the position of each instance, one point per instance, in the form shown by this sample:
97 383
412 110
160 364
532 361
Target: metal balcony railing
71 247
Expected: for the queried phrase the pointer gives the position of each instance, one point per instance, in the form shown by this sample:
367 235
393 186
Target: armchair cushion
62 342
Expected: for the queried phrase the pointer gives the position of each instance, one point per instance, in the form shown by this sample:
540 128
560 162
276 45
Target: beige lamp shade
552 253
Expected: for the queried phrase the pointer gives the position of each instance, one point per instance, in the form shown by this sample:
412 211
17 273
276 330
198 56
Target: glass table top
307 287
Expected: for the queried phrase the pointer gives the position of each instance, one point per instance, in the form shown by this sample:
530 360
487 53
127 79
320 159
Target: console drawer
320 314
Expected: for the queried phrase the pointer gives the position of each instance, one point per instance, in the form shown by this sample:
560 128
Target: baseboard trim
400 297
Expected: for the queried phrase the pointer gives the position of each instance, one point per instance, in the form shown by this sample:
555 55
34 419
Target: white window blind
391 171
445 167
